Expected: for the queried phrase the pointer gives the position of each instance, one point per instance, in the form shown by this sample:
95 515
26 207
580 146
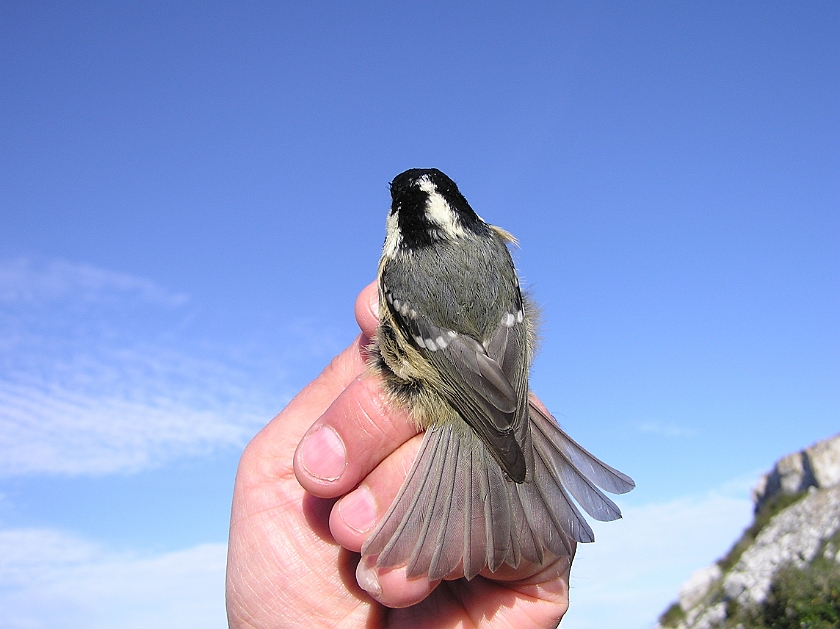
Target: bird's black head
426 206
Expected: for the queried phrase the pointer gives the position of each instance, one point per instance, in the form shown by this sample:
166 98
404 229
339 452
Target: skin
309 489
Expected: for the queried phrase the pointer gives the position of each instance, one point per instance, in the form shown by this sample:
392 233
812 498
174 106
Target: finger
390 586
344 368
358 430
355 515
367 309
539 605
551 585
548 597
533 574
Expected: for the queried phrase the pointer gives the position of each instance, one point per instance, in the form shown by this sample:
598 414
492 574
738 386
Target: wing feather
488 394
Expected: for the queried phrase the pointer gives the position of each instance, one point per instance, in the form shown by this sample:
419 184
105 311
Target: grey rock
824 461
815 466
698 585
707 617
793 536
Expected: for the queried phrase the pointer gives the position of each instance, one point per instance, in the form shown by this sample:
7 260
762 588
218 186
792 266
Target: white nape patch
393 236
438 210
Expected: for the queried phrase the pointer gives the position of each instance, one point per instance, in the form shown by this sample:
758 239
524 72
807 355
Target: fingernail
323 454
368 579
374 303
357 510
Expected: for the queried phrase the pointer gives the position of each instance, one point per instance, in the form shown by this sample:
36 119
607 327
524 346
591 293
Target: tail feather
563 516
457 507
475 534
530 547
395 537
437 544
566 475
435 514
597 471
497 520
450 545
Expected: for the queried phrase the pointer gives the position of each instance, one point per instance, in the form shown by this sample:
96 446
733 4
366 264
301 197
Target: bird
496 479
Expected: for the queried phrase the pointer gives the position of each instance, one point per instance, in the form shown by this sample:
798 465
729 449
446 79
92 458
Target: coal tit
493 480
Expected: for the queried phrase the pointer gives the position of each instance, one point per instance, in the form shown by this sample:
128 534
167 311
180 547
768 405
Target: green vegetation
806 598
672 616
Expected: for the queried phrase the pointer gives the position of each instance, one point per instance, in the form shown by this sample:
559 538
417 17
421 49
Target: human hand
309 489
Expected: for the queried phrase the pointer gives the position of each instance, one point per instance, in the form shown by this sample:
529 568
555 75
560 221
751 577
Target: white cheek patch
393 236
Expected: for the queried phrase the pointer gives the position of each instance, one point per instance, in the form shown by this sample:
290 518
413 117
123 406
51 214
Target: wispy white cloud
26 281
61 431
90 383
635 567
51 579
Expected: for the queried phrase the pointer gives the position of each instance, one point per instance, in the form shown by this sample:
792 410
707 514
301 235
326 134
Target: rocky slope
785 570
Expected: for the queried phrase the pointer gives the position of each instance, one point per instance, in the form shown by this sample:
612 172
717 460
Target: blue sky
191 196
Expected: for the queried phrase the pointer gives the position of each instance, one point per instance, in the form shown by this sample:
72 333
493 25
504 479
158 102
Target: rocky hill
784 572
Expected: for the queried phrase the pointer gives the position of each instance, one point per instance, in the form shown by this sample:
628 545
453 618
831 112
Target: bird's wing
485 382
